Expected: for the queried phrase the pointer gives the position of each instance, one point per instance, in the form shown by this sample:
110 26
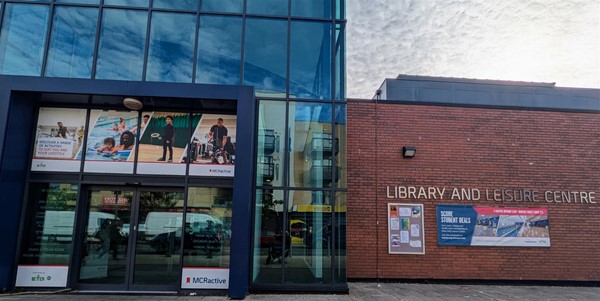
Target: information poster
212 145
58 140
111 141
405 229
492 226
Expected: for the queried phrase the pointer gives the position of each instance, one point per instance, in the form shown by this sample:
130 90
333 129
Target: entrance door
132 239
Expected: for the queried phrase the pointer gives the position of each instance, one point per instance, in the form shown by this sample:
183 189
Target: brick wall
472 148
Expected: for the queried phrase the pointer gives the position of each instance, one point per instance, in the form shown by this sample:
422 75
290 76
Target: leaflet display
405 229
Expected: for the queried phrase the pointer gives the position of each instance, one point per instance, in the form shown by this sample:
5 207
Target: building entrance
131 239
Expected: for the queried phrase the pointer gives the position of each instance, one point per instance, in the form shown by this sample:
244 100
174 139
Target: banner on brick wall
405 229
492 226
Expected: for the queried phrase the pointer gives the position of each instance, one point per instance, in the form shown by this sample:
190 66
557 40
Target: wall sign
204 278
42 276
492 226
405 229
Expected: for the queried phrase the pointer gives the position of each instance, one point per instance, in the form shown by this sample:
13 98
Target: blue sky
523 40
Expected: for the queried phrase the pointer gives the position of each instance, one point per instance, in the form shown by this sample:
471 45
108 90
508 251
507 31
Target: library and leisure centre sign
497 195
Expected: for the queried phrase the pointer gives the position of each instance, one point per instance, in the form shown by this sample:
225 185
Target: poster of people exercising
212 146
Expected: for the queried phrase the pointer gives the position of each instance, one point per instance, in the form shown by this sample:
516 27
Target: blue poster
492 226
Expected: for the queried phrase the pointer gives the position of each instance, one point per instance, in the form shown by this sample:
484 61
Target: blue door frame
17 127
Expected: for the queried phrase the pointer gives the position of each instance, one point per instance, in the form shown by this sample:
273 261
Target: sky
522 40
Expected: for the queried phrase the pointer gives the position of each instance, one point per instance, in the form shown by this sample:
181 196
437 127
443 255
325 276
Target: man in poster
218 134
168 134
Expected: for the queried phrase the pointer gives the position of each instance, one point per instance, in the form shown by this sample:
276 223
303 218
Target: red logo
187 280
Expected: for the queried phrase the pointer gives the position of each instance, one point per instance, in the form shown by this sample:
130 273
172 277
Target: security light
132 104
408 151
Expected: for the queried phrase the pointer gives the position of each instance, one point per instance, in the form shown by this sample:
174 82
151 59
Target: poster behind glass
163 143
58 140
212 146
111 141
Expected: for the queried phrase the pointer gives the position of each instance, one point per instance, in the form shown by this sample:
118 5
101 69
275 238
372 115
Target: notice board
405 229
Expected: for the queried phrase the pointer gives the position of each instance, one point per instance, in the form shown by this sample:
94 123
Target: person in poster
167 138
218 136
62 131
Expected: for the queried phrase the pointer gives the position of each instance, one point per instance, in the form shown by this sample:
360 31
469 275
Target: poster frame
422 229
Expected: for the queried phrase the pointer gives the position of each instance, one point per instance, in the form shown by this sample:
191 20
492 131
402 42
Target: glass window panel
270 154
171 53
265 56
310 62
339 238
72 42
79 1
311 8
268 236
49 224
340 63
230 6
140 3
158 249
176 4
311 140
122 40
22 39
340 9
267 7
340 150
207 234
309 227
219 50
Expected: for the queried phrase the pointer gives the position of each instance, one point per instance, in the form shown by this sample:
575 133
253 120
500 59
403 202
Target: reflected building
271 73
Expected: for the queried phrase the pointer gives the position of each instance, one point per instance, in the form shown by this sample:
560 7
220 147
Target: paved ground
369 291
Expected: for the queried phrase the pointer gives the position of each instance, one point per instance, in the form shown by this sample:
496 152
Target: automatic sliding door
158 243
104 252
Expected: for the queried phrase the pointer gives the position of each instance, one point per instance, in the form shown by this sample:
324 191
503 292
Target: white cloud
544 41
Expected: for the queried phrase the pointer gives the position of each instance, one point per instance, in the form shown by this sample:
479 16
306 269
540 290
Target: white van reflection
58 225
164 231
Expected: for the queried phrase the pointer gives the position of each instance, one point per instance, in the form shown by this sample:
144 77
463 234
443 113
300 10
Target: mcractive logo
212 170
203 280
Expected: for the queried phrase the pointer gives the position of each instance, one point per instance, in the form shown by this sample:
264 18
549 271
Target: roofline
407 77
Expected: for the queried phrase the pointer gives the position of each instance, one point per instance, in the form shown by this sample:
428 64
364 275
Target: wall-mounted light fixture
408 151
132 104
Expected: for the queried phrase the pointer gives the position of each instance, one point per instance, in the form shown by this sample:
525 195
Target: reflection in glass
219 50
270 154
22 39
265 56
105 242
230 6
339 237
269 238
340 152
340 63
79 1
140 3
267 7
340 9
72 42
48 227
312 144
311 8
121 49
177 4
158 244
207 231
171 53
310 61
310 218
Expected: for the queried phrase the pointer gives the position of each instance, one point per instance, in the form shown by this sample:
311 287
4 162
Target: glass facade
290 51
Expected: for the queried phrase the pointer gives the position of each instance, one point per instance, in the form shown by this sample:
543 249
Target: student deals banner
492 226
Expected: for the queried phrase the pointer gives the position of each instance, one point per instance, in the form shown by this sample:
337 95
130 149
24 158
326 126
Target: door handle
134 228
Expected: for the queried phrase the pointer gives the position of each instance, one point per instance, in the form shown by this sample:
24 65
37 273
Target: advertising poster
111 141
492 226
163 143
212 146
405 229
58 140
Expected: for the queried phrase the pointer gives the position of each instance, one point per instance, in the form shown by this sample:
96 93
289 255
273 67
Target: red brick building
499 137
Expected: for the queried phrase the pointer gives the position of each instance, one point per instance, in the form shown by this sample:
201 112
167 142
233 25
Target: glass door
132 239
